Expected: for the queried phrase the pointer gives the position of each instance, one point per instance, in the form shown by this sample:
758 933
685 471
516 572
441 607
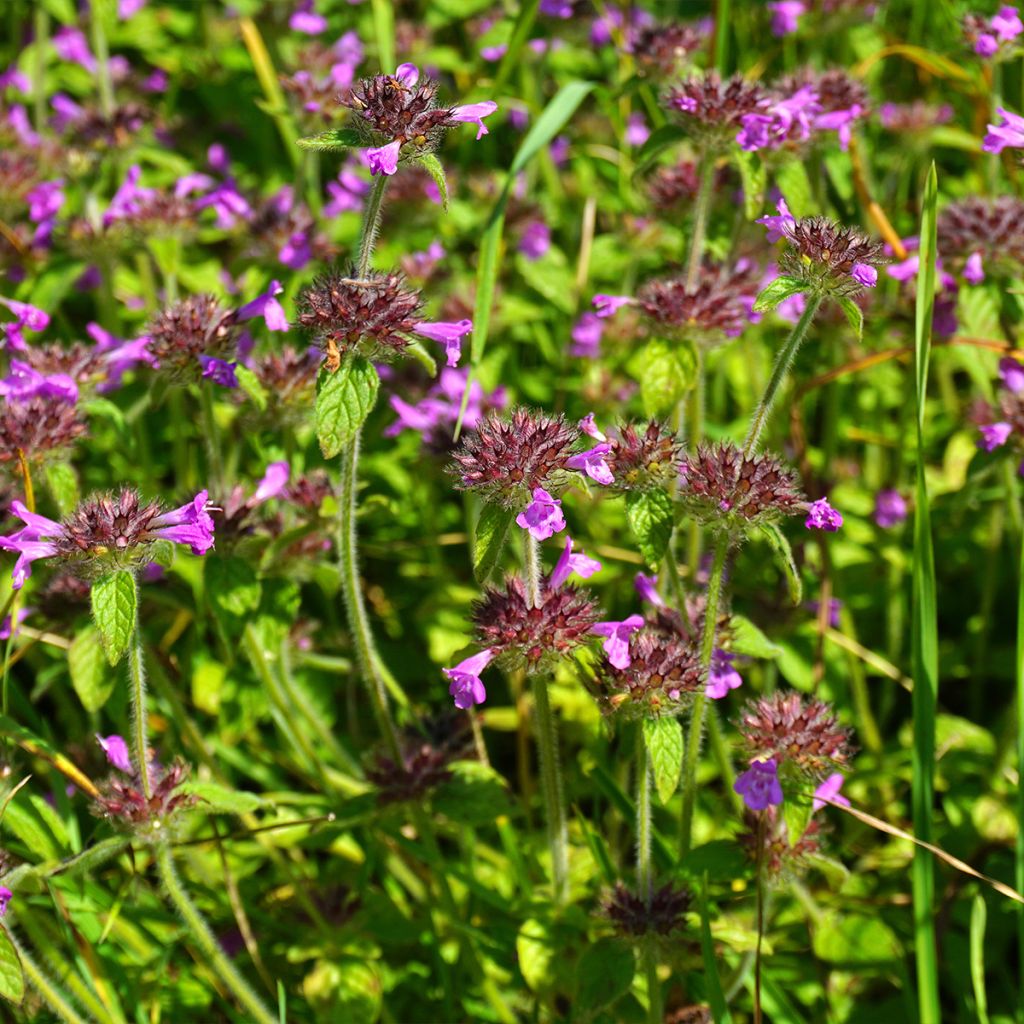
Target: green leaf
114 598
797 808
250 384
335 138
536 951
781 288
520 34
90 677
216 799
551 278
852 939
551 121
604 974
475 795
853 313
345 990
746 638
23 819
667 372
12 978
754 177
795 187
491 536
232 585
435 169
783 555
62 482
660 139
716 997
343 401
664 740
650 518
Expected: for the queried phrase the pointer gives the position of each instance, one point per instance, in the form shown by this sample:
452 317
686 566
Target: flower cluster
643 458
631 915
994 37
121 799
979 235
1006 425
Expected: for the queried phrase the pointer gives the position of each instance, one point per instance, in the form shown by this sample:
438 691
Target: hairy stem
700 220
358 620
643 821
57 1001
216 466
707 647
137 679
783 361
551 786
371 223
207 942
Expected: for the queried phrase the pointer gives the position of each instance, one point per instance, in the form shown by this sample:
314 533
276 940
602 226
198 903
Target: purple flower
227 203
1008 134
864 274
994 435
295 253
274 481
974 269
828 792
785 14
71 46
759 785
609 305
839 121
637 132
119 355
220 371
1012 374
778 226
12 78
1007 24
195 181
722 677
45 200
128 8
6 630
543 516
128 198
304 19
590 428
5 898
592 462
492 54
117 752
23 382
986 45
535 240
449 334
616 644
466 686
556 8
647 588
586 336
266 306
190 524
569 563
346 193
474 113
408 74
27 317
822 516
424 263
890 508
383 159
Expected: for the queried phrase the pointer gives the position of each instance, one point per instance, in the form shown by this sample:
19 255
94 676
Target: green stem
643 821
41 34
655 1014
551 786
371 222
206 941
52 996
783 361
102 54
707 648
384 34
137 678
206 400
358 620
700 220
695 434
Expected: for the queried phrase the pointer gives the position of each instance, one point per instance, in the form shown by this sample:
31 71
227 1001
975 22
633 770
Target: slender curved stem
707 647
206 941
783 361
643 821
358 620
52 996
216 466
140 743
371 222
700 220
551 786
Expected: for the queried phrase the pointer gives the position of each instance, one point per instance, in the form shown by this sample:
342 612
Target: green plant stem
206 941
206 400
700 221
707 647
358 620
551 786
52 996
137 679
655 1013
40 37
371 222
783 361
643 821
384 34
102 54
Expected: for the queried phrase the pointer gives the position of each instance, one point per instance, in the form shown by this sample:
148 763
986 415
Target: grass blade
924 637
716 997
978 916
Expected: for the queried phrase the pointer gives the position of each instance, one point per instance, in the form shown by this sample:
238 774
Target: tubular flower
616 642
822 516
714 110
759 785
543 516
107 532
466 686
399 116
569 563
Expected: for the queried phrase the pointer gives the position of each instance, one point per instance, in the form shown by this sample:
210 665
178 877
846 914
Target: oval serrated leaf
250 384
853 313
666 373
784 560
12 977
88 668
745 638
435 169
232 585
114 600
664 740
62 483
781 288
491 536
343 401
650 518
335 138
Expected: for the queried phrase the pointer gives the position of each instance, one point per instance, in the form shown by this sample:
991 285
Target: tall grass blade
716 997
924 637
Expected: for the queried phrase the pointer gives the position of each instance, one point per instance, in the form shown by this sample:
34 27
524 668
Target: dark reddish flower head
824 254
631 915
836 90
195 326
122 801
765 840
289 376
721 486
509 456
534 637
718 304
38 427
643 458
713 109
392 109
994 228
798 732
664 49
